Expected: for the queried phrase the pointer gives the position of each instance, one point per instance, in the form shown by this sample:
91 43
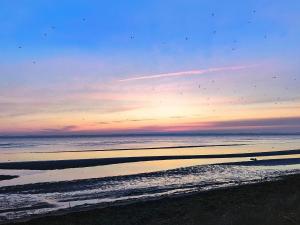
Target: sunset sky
89 67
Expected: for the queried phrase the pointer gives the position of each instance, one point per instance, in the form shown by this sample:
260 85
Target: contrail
185 73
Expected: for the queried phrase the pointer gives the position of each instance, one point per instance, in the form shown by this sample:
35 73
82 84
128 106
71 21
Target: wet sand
274 202
79 163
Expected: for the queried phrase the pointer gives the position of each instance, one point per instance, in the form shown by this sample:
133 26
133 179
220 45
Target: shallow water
41 149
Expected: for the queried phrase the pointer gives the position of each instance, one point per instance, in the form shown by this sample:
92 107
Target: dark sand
7 177
274 203
78 163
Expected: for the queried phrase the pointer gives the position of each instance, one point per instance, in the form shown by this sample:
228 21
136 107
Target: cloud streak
185 73
273 125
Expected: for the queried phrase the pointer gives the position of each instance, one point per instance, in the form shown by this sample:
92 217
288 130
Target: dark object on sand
253 159
7 177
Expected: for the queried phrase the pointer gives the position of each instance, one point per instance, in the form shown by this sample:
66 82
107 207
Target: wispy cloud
186 73
64 129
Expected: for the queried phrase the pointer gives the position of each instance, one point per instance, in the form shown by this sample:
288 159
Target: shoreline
43 187
62 187
282 190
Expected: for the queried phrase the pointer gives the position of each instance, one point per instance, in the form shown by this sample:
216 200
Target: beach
60 175
272 202
149 112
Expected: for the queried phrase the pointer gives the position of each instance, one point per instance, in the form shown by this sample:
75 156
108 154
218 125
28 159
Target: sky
101 67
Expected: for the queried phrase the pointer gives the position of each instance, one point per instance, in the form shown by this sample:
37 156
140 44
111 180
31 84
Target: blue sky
105 27
62 59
